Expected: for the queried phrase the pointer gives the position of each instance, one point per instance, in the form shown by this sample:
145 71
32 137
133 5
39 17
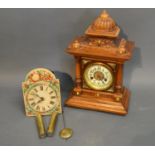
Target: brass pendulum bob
65 133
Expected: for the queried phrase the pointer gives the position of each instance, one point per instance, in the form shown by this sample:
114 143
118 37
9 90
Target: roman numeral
33 104
41 87
52 97
46 88
50 92
51 102
35 90
38 108
91 78
43 108
30 99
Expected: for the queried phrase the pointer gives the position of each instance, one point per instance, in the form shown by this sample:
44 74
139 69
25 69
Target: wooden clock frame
101 44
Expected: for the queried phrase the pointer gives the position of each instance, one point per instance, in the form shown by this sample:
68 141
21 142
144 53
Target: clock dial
98 76
42 98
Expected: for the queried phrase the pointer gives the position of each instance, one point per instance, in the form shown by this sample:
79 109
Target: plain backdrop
31 38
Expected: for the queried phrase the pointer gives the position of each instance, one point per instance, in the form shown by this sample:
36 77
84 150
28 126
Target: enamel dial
98 76
42 98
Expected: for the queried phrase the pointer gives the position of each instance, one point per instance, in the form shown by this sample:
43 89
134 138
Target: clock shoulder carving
116 49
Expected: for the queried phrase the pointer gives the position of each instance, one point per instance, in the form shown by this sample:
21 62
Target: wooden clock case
101 44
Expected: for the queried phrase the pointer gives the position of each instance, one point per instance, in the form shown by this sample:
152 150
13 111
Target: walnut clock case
99 56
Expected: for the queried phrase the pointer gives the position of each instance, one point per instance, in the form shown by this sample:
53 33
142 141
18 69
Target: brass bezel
86 79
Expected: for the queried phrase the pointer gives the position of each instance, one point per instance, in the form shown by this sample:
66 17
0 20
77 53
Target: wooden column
119 78
78 80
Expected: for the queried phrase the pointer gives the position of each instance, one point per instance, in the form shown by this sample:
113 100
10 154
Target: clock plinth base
103 101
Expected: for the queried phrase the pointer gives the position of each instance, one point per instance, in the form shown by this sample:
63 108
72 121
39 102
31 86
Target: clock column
119 78
78 75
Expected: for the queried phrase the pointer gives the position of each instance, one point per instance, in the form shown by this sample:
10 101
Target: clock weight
52 124
40 126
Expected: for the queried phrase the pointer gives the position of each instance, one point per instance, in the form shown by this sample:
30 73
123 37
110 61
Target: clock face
98 76
42 98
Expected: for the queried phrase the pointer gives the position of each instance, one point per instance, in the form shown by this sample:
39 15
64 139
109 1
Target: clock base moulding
101 101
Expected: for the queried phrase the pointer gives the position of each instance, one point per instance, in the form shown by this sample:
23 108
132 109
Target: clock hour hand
41 99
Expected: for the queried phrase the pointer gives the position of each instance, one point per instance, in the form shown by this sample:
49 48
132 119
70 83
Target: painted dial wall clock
99 58
41 92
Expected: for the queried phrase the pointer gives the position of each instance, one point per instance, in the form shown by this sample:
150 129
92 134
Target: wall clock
99 58
41 92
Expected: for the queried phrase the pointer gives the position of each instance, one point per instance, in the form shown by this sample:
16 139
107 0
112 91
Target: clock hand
41 99
38 96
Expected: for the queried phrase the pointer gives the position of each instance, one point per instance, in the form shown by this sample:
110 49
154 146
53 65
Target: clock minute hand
37 96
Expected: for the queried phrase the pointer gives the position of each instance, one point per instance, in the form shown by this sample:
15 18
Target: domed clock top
103 26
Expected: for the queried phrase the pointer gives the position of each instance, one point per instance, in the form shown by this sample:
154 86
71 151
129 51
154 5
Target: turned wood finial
104 14
122 46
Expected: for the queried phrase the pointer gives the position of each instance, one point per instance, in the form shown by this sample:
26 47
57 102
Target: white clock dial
41 98
98 76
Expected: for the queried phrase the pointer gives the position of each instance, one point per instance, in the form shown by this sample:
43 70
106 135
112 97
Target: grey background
32 38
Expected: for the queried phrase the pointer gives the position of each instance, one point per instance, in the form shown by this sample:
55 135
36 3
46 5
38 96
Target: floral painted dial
98 76
41 97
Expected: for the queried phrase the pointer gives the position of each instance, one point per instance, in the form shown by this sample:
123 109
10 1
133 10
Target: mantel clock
99 56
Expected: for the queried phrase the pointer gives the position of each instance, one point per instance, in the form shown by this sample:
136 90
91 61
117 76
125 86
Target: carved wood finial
104 26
